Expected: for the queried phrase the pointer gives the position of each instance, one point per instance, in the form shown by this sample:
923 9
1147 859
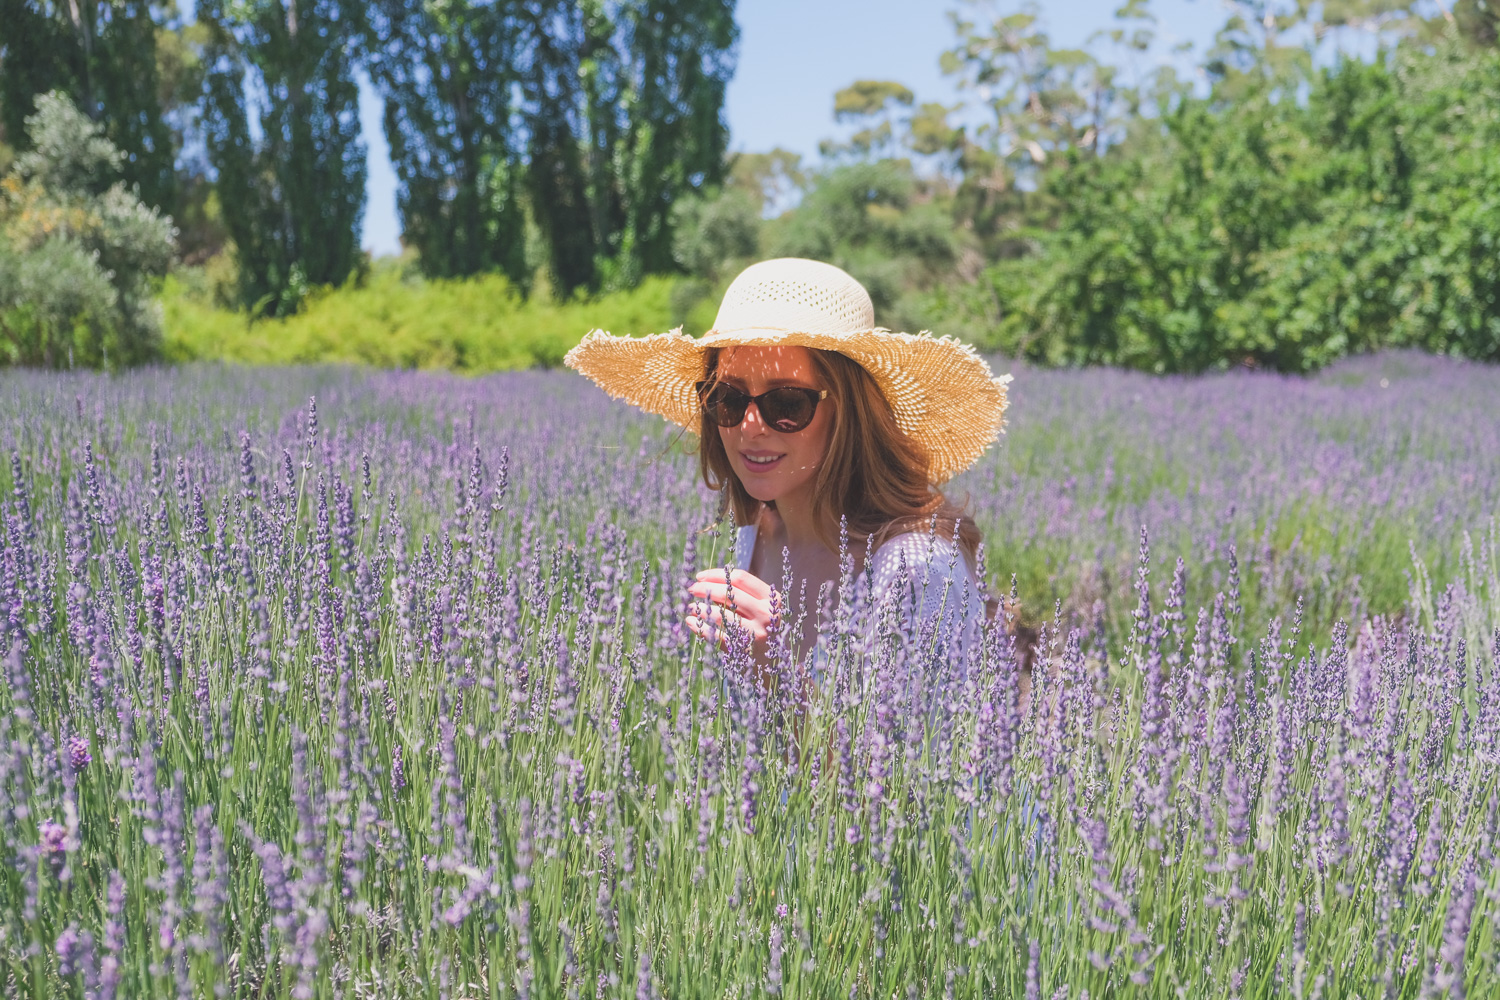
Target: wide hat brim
942 393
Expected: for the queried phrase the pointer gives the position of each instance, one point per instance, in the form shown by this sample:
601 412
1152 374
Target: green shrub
1274 232
78 251
397 320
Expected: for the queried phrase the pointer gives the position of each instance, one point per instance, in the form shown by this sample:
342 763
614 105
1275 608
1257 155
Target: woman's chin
763 492
766 489
770 489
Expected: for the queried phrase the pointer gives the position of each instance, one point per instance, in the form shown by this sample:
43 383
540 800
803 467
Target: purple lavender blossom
54 837
773 967
1449 976
645 984
71 950
398 770
78 756
110 969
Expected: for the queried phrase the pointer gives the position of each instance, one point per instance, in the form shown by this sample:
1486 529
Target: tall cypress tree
292 196
447 74
623 115
103 56
679 57
593 116
554 35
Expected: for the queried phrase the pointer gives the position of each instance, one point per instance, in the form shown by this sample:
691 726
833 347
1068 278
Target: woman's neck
800 529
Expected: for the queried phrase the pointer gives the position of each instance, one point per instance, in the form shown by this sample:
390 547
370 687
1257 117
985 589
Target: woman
815 421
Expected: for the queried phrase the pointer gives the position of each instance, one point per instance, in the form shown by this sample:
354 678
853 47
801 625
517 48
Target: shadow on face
774 466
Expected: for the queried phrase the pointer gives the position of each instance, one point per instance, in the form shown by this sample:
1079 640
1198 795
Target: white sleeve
937 575
924 586
744 547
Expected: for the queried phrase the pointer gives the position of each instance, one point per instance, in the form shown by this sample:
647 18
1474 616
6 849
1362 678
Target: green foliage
78 251
1037 104
873 103
653 76
103 55
447 74
1041 99
293 197
591 119
711 236
768 178
1276 233
1289 217
1277 42
398 319
876 220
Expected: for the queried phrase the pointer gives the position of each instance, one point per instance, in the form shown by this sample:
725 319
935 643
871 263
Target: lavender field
325 682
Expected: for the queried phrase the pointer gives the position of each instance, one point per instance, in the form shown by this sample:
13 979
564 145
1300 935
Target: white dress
923 581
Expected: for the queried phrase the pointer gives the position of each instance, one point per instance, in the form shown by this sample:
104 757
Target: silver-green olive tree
78 249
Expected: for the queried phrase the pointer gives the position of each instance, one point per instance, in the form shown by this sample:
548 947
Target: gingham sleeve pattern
937 576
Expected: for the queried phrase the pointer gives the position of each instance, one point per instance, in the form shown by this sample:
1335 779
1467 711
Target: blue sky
794 54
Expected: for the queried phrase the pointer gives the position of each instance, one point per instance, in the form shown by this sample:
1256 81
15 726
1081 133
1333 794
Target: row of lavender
390 694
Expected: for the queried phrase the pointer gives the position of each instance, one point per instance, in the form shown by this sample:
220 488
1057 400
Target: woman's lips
761 461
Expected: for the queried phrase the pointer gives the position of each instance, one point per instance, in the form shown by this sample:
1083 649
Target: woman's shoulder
930 570
922 553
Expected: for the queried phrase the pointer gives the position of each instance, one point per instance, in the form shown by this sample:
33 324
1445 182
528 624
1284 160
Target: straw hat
941 392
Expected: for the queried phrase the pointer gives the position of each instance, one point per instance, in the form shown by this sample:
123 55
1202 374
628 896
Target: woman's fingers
743 582
739 602
723 619
719 635
744 602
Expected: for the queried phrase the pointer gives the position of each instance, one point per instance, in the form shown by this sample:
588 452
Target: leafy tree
878 221
1277 42
930 133
679 57
1043 103
873 104
589 120
1260 46
293 197
623 115
447 73
180 48
654 74
714 235
768 178
78 249
1040 97
568 85
1474 23
1277 233
711 235
104 55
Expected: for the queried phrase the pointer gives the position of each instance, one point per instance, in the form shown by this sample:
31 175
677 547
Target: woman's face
772 465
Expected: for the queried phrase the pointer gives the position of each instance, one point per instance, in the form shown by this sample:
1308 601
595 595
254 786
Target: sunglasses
787 409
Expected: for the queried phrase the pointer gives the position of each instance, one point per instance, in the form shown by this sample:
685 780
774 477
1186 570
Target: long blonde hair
873 475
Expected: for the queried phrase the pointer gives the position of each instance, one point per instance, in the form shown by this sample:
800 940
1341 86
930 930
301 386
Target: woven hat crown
793 295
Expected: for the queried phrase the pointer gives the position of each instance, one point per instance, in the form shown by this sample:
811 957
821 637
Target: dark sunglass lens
725 404
787 410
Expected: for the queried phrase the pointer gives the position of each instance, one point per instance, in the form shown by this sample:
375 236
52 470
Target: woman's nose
753 424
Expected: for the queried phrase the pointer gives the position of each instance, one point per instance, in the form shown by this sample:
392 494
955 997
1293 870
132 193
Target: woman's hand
712 615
